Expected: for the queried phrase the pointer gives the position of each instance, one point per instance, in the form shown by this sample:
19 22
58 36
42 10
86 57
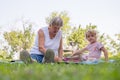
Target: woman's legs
37 57
49 56
25 57
30 58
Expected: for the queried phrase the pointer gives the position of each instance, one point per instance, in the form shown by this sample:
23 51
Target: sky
103 13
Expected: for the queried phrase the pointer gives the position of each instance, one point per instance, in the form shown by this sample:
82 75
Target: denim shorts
37 57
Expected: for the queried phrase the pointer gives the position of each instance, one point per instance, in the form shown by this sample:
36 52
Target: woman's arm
41 41
60 51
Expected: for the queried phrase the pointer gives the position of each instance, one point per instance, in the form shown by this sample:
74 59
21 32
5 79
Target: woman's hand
58 59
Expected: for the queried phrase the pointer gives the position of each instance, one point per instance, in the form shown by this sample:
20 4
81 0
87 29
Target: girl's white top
49 43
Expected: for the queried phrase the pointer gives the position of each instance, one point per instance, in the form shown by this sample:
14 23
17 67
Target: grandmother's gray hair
56 21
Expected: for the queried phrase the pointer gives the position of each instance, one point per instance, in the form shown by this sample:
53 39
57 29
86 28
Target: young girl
94 47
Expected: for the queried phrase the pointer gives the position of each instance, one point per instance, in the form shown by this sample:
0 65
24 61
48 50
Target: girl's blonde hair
90 31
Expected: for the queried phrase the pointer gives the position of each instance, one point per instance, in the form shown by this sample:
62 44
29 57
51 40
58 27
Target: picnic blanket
66 62
77 61
12 61
96 61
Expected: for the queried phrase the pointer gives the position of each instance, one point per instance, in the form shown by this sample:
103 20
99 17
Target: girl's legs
72 59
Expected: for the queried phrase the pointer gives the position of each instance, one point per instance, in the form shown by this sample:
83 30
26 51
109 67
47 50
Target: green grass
102 71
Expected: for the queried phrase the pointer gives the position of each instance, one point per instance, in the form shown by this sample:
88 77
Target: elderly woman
48 43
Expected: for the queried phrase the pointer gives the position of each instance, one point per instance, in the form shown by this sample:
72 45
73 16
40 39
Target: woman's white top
49 43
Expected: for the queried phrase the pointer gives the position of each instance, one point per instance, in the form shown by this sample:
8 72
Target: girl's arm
105 53
78 52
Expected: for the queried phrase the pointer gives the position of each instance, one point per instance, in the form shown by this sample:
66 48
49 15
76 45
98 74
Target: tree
116 43
28 37
20 39
4 51
77 35
4 54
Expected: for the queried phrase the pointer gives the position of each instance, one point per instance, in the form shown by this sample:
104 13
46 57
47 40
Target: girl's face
91 38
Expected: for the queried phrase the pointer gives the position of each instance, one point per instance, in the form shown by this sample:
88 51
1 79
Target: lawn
101 71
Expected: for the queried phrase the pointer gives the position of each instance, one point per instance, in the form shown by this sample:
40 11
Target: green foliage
20 39
4 55
117 45
78 35
111 44
28 37
13 39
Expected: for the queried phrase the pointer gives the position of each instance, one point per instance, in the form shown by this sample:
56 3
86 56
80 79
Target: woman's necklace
51 34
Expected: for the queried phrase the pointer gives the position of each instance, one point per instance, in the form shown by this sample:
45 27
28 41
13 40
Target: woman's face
55 29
